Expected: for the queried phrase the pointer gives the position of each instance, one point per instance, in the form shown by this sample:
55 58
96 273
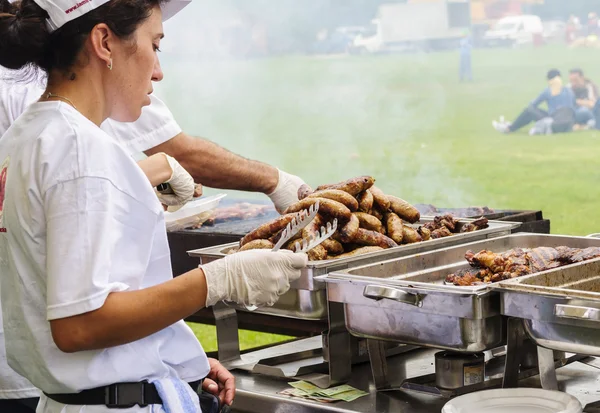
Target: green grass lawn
404 119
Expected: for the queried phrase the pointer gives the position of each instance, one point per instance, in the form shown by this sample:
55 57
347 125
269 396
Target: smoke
325 118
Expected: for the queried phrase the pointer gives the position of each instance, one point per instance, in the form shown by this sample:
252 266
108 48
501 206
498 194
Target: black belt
118 395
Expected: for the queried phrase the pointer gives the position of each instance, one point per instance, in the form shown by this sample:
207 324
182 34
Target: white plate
524 400
192 213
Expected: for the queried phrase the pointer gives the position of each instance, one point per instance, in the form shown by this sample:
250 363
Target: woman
87 292
17 395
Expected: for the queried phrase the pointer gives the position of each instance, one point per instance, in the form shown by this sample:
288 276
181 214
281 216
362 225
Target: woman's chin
130 116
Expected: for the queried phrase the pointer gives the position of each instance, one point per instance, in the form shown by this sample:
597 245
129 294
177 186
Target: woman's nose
157 73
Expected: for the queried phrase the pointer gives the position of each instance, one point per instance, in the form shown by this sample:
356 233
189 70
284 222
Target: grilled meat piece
478 224
424 233
487 266
463 281
447 221
584 254
442 221
440 232
543 258
487 259
468 276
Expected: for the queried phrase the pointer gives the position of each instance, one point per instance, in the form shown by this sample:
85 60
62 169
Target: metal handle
378 292
577 312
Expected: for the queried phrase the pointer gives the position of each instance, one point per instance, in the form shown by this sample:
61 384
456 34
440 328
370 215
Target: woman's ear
102 41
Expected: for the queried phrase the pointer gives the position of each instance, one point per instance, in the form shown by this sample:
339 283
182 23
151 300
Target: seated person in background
561 108
586 95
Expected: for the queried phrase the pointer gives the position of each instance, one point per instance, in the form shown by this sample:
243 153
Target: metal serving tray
307 298
560 308
406 300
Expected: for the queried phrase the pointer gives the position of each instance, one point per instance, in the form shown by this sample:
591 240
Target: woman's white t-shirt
155 126
80 220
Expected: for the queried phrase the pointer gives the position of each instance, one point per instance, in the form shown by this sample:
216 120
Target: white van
514 31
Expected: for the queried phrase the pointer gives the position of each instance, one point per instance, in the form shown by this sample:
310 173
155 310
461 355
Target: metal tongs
315 239
300 221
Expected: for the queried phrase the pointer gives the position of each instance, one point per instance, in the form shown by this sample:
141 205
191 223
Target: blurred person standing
572 29
466 68
593 23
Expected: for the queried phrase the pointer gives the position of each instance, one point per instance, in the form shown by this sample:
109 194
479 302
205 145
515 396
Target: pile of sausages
368 220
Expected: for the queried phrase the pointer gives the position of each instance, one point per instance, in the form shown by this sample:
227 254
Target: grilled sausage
368 221
336 235
318 253
365 201
403 209
410 235
394 227
372 238
379 198
340 196
257 244
304 191
354 253
425 233
348 231
353 186
333 247
326 206
376 212
270 228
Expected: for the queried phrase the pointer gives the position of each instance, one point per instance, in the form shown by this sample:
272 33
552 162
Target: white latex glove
286 192
181 182
253 277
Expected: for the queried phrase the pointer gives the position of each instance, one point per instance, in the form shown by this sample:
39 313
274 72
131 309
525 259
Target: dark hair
577 71
26 41
553 73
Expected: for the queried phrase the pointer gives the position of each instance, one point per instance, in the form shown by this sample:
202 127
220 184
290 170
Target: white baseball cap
63 11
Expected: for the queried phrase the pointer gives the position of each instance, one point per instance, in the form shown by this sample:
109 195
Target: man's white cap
63 11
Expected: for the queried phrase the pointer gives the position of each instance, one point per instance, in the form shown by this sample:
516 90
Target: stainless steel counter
258 394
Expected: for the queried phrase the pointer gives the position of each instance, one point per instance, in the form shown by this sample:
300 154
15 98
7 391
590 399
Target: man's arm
216 167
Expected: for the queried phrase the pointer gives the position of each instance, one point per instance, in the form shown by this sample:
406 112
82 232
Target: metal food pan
560 308
429 270
406 300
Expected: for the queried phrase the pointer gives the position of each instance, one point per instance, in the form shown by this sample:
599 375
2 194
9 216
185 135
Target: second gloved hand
286 192
181 183
252 278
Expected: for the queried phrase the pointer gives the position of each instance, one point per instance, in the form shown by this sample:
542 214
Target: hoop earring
109 65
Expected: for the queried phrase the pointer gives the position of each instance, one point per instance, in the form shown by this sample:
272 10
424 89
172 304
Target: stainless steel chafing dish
560 308
307 298
405 299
